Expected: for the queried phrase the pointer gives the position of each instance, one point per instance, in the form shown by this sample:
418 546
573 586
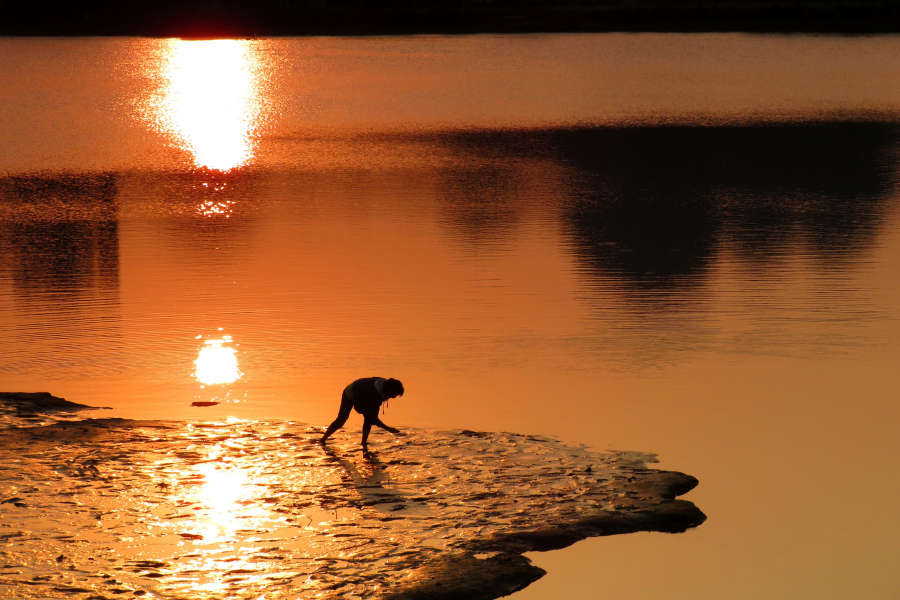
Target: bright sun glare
221 488
210 101
223 493
217 363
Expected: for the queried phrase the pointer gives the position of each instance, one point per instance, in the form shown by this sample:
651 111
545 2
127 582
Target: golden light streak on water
217 363
222 491
210 103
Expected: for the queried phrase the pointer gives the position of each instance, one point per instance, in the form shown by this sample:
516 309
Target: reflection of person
366 396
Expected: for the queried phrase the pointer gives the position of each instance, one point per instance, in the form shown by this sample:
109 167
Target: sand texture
112 508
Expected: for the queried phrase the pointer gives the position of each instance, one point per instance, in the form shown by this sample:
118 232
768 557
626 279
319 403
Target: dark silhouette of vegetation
74 246
248 18
651 204
657 201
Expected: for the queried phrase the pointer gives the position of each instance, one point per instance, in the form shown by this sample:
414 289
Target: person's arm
377 421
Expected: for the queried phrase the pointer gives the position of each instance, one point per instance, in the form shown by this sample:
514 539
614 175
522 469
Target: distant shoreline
242 20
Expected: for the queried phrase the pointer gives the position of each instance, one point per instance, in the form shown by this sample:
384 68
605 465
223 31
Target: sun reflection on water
217 362
224 493
210 103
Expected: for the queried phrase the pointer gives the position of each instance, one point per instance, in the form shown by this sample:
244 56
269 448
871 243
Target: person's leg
343 415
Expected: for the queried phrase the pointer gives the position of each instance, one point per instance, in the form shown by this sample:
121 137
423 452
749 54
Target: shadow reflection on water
652 205
60 233
60 257
642 213
648 205
657 203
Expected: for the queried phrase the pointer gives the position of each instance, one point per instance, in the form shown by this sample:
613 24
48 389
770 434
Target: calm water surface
683 244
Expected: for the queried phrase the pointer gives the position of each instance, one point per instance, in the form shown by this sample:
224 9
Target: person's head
392 388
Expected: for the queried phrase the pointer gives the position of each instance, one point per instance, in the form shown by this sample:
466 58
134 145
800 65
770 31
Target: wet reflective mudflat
98 508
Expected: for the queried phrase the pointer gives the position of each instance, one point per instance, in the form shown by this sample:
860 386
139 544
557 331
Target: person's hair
393 388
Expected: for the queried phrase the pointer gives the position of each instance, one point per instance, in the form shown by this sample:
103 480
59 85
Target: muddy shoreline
507 570
88 503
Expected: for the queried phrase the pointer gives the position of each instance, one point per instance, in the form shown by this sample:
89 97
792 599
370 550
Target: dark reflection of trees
480 192
479 203
655 202
651 205
60 233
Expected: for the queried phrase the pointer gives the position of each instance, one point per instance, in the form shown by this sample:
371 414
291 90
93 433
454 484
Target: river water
680 244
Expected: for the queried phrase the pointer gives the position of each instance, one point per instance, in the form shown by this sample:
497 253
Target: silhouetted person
366 396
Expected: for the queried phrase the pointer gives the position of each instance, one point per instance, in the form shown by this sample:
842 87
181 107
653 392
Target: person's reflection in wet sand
371 480
366 396
369 474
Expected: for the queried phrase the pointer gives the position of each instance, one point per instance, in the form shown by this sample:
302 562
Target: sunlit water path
679 244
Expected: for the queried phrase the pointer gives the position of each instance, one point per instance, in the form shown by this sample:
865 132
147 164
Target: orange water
683 244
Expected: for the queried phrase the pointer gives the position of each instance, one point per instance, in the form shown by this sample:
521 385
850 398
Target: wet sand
96 508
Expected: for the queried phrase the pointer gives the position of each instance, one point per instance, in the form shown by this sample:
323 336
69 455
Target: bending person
366 396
